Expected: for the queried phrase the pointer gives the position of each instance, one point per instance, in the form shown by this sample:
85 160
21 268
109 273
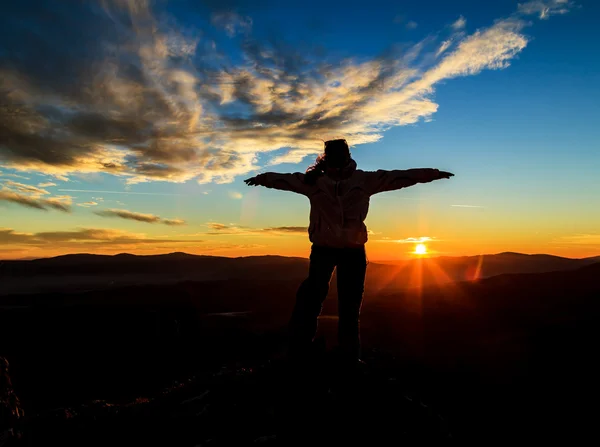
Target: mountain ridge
203 256
75 272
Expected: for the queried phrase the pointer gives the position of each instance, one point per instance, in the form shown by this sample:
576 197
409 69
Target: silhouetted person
339 197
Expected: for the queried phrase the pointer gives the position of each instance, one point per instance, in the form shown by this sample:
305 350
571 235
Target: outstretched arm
380 181
284 182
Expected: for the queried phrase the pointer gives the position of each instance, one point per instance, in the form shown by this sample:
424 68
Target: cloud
545 8
460 23
81 236
4 174
17 244
9 236
443 47
137 96
410 24
467 206
103 240
224 229
60 203
173 222
580 239
31 197
301 230
231 22
87 204
140 217
217 226
46 184
236 195
134 193
27 189
409 240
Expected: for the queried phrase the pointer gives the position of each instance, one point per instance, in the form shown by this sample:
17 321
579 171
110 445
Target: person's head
335 156
337 153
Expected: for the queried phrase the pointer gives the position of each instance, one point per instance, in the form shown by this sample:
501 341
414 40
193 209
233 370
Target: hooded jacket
339 206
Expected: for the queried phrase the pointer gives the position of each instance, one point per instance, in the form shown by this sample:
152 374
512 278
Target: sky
129 126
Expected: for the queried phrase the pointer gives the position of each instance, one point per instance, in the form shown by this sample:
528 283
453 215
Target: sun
421 249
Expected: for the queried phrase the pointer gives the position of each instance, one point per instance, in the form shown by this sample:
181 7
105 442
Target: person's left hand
444 174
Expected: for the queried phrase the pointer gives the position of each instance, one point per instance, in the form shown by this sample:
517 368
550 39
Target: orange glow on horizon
296 246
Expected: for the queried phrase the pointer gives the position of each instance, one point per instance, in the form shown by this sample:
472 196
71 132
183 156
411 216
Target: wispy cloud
231 22
408 24
60 203
408 240
217 228
33 197
443 47
104 240
173 222
134 193
286 230
7 174
460 23
544 9
28 189
592 239
162 104
81 236
236 195
46 184
140 217
87 204
467 206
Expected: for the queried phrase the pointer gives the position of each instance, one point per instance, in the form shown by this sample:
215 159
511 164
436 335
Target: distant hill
88 271
507 262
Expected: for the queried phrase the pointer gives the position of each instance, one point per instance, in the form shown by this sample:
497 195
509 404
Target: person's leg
351 272
309 299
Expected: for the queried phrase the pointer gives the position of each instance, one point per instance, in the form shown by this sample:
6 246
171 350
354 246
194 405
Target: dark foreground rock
271 404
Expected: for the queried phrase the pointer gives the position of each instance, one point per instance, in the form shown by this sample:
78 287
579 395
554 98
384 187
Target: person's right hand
253 181
444 174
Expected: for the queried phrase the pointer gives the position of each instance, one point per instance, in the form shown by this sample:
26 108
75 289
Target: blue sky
166 107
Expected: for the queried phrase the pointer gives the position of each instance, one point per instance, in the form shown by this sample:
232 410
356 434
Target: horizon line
300 257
